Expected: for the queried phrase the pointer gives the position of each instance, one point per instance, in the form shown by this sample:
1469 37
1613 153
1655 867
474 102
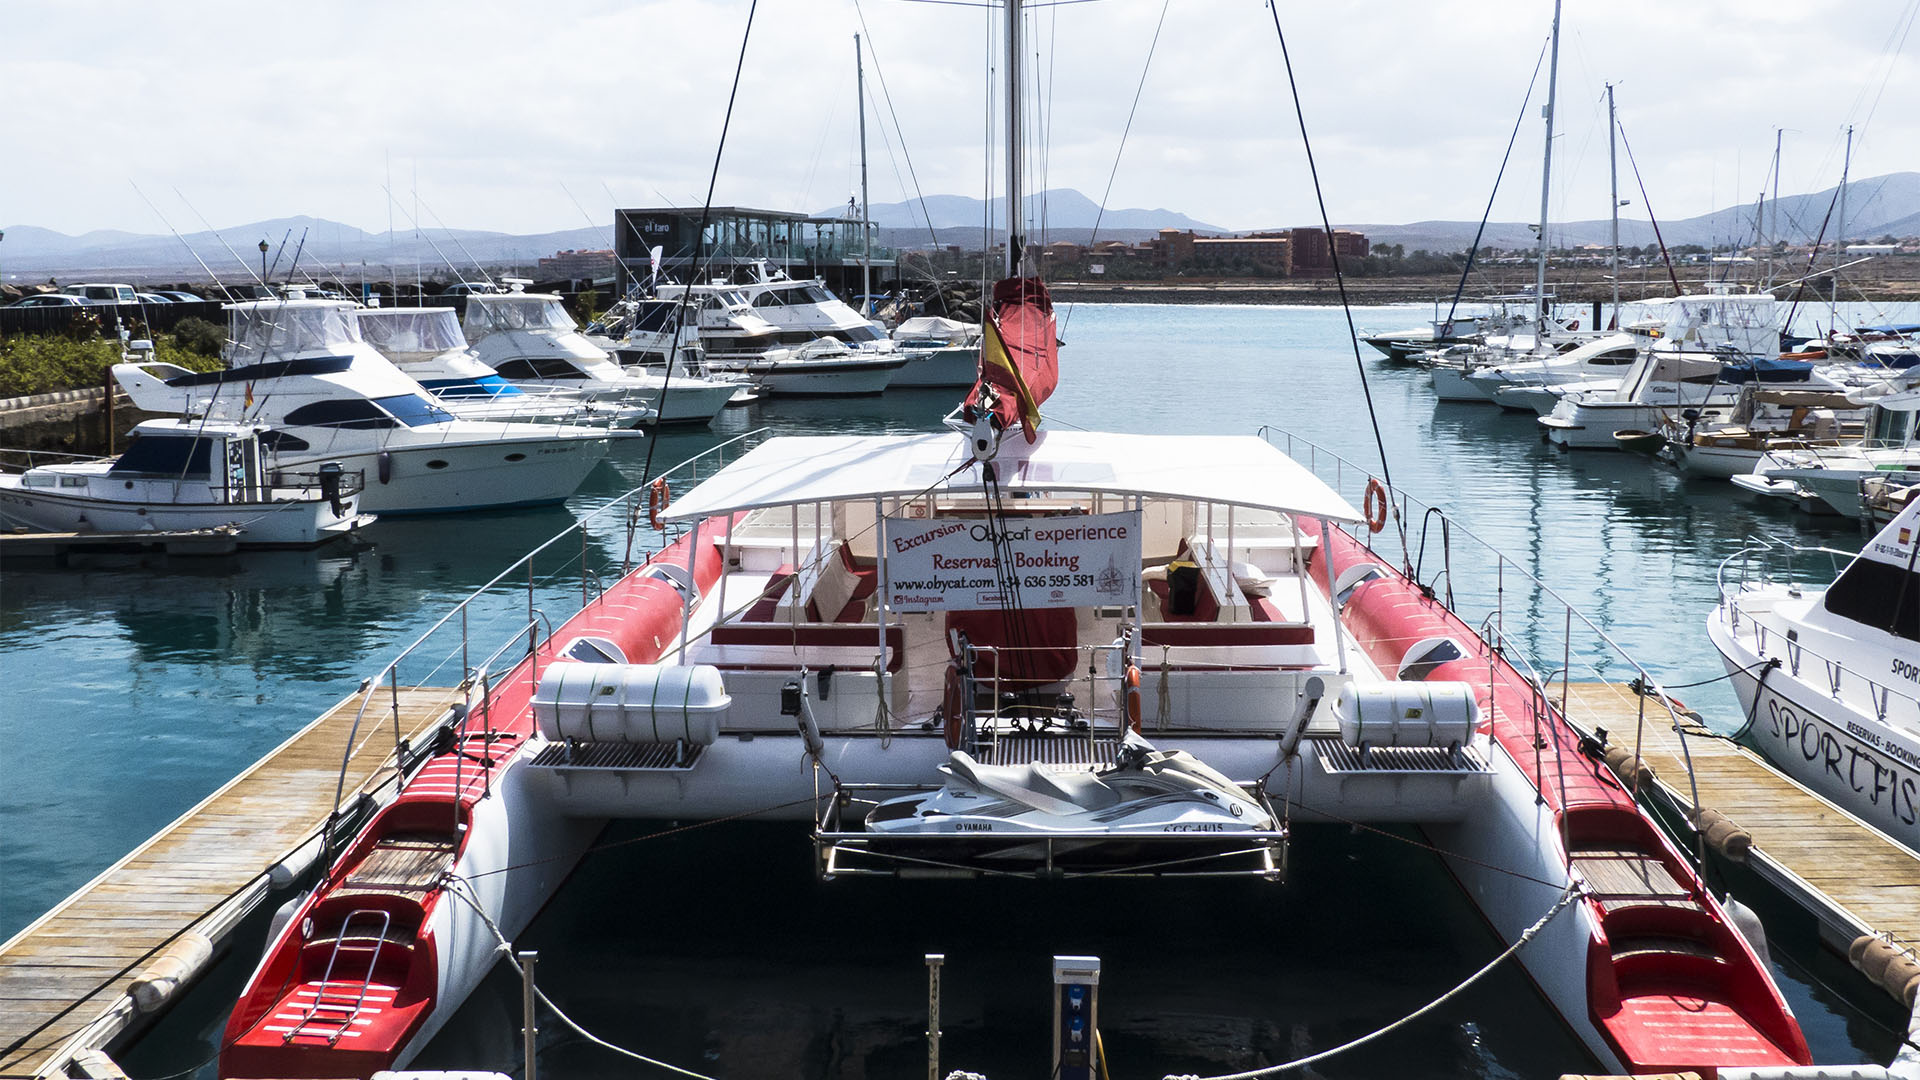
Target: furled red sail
1019 355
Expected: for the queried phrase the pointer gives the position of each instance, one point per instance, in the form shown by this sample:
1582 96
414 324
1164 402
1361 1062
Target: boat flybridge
532 342
302 368
1089 654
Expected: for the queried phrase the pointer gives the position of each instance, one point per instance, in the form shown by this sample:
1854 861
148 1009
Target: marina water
136 687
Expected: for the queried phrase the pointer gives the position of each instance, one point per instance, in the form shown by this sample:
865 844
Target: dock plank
74 963
1871 876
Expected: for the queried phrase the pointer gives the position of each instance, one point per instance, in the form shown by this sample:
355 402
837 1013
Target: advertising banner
944 564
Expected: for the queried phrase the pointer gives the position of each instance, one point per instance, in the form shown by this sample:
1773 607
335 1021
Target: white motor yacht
181 475
939 351
427 343
650 330
1827 676
805 310
1603 357
301 368
1764 419
1702 345
531 341
793 361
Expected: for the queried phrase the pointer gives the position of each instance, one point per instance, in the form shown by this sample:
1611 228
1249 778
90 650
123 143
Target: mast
866 226
1016 225
1613 178
1772 218
1840 236
1546 175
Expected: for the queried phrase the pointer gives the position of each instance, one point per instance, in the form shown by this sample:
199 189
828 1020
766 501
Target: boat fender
297 863
1133 697
1376 505
659 494
1625 765
1721 834
283 915
1747 921
1884 963
386 466
176 966
1902 979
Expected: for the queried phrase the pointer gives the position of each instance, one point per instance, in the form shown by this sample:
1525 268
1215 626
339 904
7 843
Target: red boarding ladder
341 1003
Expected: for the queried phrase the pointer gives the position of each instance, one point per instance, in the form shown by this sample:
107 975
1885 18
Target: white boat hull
1454 384
1868 768
439 478
952 366
277 524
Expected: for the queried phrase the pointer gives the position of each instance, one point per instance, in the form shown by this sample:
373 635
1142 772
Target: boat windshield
178 456
415 330
488 314
268 331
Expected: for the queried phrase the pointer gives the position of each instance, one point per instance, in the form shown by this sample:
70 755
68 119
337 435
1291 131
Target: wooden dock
1852 878
65 979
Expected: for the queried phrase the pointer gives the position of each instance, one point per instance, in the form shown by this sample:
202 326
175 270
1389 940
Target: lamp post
263 262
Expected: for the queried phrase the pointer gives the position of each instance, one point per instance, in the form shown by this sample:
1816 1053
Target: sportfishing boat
532 342
427 344
180 475
1827 676
1706 347
804 311
939 351
840 615
301 368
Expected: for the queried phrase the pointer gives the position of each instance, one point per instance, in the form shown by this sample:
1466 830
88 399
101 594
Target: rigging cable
1569 895
699 242
1467 270
1333 254
887 95
1665 255
1101 212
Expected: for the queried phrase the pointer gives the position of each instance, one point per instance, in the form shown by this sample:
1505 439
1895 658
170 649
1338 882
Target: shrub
38 364
199 336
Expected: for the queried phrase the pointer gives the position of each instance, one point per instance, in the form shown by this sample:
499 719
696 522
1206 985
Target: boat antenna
700 235
215 278
298 250
280 252
1466 272
1665 255
1333 253
244 264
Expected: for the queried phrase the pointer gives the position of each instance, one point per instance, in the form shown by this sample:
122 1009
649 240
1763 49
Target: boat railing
565 573
1522 617
32 457
1769 561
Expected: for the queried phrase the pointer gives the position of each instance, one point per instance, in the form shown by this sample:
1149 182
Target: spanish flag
1019 354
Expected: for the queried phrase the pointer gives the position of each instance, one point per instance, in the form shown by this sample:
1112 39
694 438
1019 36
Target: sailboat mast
1016 225
1773 212
1613 179
1546 176
866 225
1840 234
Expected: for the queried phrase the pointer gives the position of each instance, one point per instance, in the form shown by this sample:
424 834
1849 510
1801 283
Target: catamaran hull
1868 768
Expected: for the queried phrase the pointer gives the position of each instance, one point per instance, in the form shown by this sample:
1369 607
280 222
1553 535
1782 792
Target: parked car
153 298
95 292
179 297
49 300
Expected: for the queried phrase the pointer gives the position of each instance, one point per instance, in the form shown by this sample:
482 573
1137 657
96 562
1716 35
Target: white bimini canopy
1238 469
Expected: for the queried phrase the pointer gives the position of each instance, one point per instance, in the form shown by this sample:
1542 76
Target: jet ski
1145 792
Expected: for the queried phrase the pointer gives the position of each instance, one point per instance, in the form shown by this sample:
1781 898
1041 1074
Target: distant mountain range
1875 207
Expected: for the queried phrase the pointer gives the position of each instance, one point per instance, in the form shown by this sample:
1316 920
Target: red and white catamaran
842 617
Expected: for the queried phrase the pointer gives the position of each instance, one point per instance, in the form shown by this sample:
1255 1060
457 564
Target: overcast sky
494 112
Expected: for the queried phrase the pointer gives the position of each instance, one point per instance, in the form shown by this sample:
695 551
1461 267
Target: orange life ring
1376 505
1133 697
953 704
658 495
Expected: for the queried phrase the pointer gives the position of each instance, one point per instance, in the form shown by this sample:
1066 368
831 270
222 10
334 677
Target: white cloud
256 111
